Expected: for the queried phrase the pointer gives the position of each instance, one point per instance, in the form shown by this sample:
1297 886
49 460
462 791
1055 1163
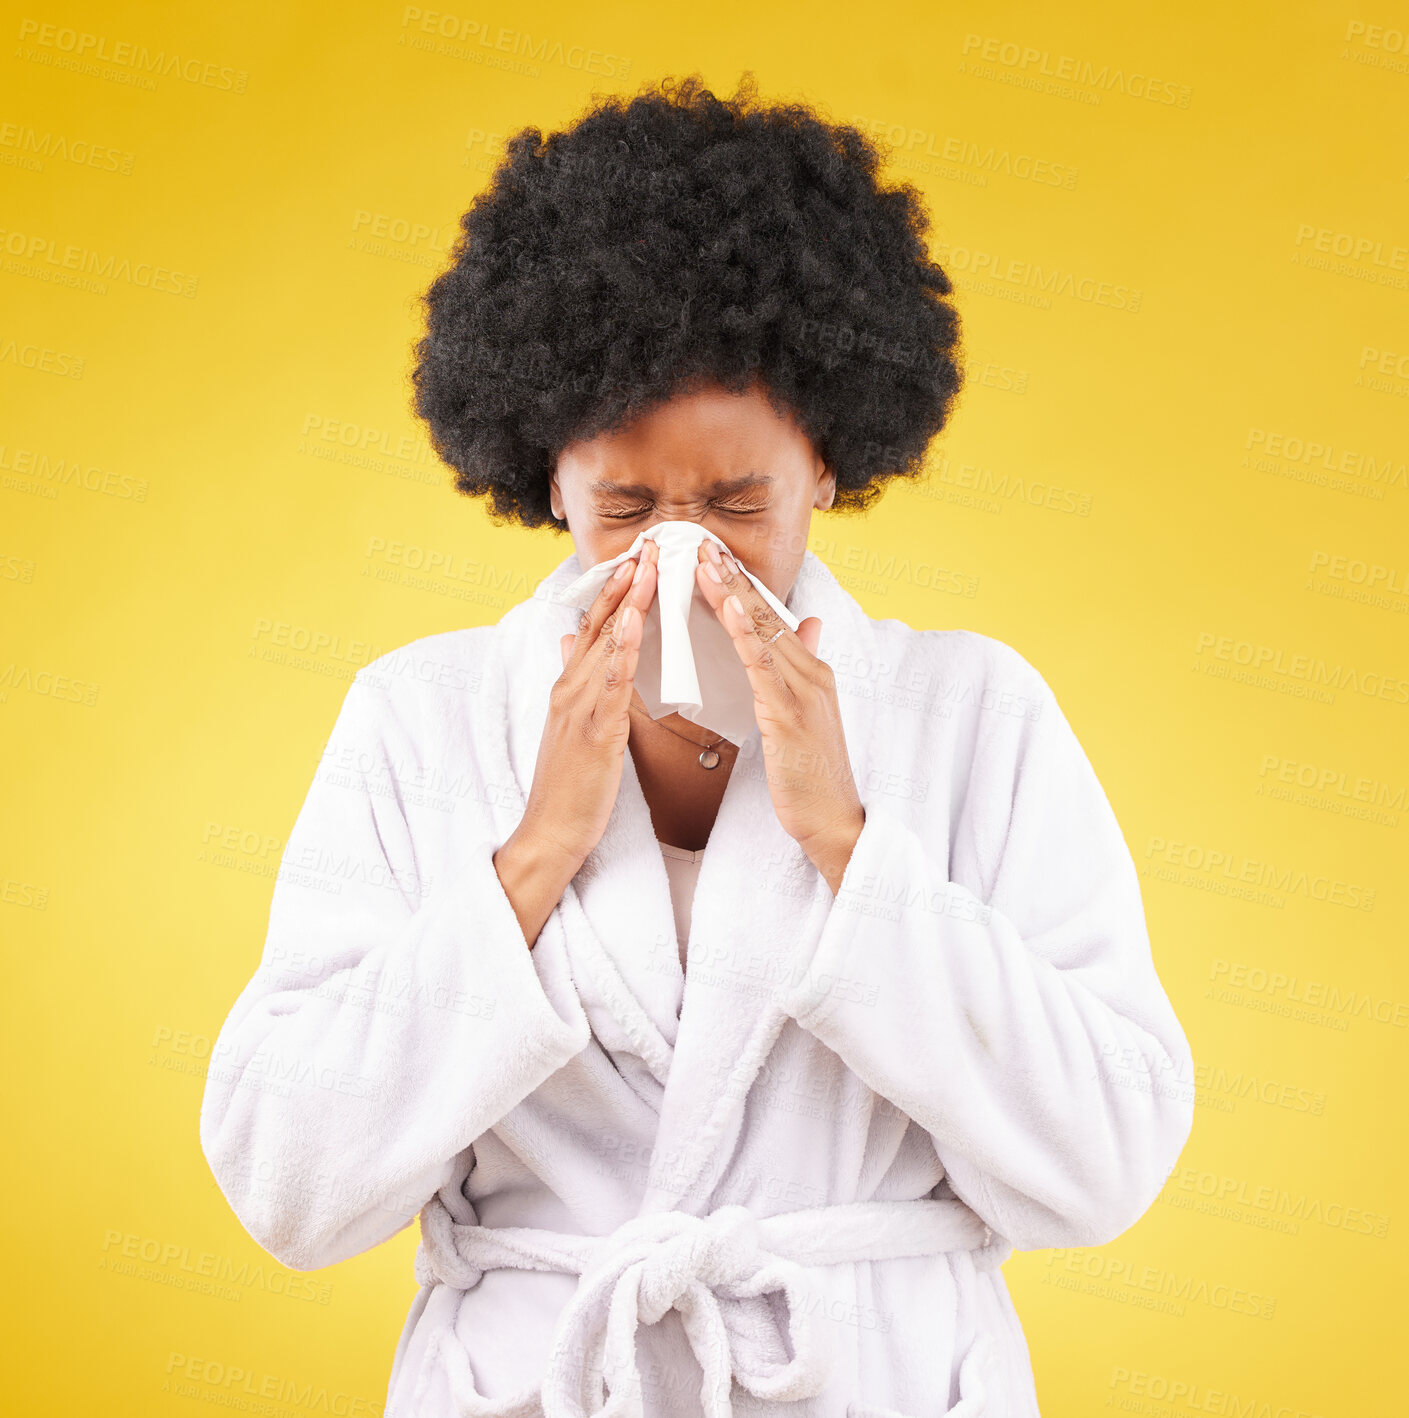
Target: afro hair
675 240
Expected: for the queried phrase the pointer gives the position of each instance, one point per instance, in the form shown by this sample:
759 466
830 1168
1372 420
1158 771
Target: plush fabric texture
975 1020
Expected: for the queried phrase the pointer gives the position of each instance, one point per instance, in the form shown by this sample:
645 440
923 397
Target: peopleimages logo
253 1390
1270 660
98 49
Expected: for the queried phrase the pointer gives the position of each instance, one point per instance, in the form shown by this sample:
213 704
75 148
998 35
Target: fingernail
622 571
712 572
711 551
736 604
640 568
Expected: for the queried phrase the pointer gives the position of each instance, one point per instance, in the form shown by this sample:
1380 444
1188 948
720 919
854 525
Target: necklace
708 757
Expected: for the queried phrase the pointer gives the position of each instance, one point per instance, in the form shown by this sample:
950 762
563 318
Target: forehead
711 440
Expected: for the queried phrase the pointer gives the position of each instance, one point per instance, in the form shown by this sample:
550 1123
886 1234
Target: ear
826 488
555 498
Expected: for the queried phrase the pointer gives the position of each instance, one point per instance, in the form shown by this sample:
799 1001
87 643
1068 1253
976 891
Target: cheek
600 539
593 547
777 543
790 535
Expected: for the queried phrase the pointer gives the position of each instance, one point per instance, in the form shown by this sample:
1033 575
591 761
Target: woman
761 1148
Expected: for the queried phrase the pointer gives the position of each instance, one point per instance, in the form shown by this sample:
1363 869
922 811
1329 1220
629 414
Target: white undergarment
682 868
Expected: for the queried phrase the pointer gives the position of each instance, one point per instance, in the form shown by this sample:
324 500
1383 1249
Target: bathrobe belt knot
724 1273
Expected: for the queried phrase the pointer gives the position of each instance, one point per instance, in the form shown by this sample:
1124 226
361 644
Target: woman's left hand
799 718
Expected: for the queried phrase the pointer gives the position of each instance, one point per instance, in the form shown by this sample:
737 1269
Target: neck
673 739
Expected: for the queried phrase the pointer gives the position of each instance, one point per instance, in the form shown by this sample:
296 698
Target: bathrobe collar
689 1050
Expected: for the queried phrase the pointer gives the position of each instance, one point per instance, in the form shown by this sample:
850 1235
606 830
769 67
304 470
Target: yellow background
194 486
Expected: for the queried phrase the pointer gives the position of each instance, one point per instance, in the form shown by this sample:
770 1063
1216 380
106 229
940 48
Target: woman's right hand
578 771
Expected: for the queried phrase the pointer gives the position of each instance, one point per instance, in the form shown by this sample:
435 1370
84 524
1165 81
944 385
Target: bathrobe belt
717 1271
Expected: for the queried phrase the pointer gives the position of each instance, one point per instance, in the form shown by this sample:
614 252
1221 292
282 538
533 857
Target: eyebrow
720 485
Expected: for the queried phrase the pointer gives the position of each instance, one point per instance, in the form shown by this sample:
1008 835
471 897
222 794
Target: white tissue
688 664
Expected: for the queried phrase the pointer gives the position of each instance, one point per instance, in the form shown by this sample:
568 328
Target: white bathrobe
779 1184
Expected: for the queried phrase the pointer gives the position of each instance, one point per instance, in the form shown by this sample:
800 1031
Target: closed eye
728 511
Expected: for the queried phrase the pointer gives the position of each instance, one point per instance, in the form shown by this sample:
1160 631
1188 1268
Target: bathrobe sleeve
1018 1019
391 1020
